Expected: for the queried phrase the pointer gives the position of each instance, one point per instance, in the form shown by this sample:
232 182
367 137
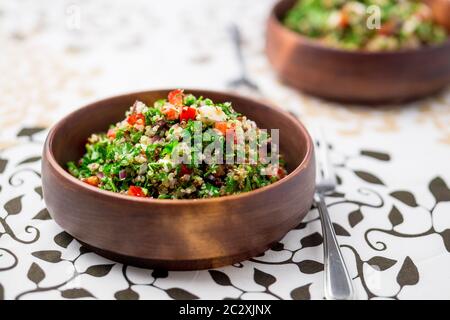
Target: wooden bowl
441 11
354 76
176 234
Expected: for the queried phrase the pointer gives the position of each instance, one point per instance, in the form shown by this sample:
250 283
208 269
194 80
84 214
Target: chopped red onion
155 139
122 174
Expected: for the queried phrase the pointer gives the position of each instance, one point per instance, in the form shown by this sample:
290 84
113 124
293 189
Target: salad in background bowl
373 25
325 48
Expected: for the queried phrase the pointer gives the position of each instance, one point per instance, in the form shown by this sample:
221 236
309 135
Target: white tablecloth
391 210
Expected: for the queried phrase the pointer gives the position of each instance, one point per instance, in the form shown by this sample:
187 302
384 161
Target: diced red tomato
187 113
387 28
136 191
281 173
136 118
184 169
111 133
170 113
225 128
93 181
344 20
222 126
176 97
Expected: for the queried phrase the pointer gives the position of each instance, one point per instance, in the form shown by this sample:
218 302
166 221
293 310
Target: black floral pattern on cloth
390 210
394 245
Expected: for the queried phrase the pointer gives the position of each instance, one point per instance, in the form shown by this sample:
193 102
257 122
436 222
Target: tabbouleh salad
135 156
344 24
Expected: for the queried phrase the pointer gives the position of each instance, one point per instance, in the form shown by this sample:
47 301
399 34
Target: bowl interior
282 7
69 139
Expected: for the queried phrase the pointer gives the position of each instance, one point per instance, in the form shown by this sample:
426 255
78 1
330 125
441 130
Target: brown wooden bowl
176 234
441 11
354 76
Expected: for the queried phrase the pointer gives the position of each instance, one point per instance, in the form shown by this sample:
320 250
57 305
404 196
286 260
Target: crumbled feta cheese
334 19
139 106
93 138
410 25
93 166
175 132
209 114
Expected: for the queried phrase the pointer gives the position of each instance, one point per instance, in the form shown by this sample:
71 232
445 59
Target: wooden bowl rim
72 180
315 44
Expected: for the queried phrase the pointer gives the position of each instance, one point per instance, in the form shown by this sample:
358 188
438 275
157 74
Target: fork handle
237 41
338 285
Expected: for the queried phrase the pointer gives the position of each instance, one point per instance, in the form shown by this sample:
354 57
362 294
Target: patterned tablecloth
391 210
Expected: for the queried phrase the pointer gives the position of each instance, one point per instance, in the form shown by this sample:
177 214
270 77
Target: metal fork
337 283
243 81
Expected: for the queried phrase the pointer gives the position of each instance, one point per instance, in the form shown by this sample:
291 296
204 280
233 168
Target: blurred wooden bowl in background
441 11
354 76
